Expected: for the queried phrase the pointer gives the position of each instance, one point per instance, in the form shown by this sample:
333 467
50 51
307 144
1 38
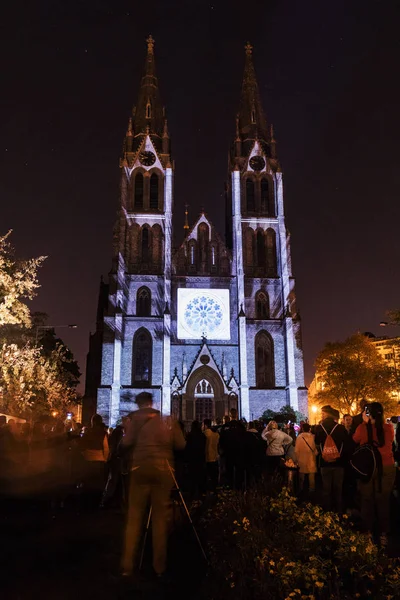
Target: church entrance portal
206 396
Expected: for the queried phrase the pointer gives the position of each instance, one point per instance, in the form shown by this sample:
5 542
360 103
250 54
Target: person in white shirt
306 453
212 439
276 440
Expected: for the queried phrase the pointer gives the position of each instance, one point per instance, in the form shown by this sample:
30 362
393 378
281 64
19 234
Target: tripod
188 516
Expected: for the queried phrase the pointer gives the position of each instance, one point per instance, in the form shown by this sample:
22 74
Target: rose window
203 315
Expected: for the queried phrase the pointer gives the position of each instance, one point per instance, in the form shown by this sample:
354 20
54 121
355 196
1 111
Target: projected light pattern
203 313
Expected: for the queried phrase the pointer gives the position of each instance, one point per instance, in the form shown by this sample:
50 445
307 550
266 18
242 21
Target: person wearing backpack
375 493
331 440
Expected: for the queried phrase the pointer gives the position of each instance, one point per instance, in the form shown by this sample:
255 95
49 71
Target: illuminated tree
353 370
18 281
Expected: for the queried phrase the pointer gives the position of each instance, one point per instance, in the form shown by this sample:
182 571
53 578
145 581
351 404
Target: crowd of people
139 462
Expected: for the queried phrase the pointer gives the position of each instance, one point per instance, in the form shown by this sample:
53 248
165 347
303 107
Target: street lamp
71 326
314 409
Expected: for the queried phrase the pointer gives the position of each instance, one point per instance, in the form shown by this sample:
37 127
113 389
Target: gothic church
211 324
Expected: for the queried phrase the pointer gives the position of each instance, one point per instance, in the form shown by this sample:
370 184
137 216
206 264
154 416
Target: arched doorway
204 401
205 396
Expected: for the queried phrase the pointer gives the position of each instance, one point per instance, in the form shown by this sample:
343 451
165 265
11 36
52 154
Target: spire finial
249 49
129 132
150 44
186 225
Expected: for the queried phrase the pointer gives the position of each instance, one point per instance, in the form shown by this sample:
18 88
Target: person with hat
331 440
150 441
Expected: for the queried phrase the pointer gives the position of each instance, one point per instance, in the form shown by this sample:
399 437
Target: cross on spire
249 49
150 44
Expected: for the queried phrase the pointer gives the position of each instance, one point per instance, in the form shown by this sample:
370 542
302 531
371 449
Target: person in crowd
195 458
113 484
231 445
277 443
375 494
306 453
212 439
348 423
255 448
95 450
150 443
332 436
358 419
60 465
292 432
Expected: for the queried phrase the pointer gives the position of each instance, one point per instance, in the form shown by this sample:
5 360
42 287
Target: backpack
330 452
366 460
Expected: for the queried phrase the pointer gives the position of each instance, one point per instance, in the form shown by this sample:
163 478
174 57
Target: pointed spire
165 138
186 225
252 122
149 110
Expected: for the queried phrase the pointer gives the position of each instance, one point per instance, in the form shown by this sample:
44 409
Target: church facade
211 324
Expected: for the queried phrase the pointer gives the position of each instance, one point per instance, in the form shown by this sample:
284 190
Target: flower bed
269 547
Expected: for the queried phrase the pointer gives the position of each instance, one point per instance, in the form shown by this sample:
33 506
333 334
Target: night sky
329 79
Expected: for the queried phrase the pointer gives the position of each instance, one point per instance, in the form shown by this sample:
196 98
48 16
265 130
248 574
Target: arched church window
154 192
143 302
264 351
148 110
250 196
192 255
260 249
271 253
265 197
141 357
253 116
213 256
145 245
139 182
262 305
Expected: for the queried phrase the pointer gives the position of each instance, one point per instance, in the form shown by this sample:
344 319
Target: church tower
270 354
213 325
136 347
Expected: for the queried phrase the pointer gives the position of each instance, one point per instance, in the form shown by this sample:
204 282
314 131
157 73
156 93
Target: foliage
32 383
353 370
18 280
285 414
269 547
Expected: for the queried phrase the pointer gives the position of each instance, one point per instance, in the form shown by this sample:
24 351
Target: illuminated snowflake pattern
203 315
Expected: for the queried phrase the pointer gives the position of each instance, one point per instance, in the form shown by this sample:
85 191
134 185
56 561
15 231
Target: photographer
149 440
375 494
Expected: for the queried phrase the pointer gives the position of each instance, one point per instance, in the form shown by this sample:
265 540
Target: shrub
269 547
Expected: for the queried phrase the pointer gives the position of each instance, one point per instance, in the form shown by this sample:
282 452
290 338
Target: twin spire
149 113
149 117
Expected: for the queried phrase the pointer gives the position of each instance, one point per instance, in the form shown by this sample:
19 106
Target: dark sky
329 79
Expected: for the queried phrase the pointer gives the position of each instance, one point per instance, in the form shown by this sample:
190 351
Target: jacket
276 441
212 439
339 436
153 439
306 452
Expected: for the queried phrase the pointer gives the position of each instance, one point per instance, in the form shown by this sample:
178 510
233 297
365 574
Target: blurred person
149 444
306 453
195 457
212 467
113 465
331 439
358 419
232 446
375 494
277 441
95 451
292 432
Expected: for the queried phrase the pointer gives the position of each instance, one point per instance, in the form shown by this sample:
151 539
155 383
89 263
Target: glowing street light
314 409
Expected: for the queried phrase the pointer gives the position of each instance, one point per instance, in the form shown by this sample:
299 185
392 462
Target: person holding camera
375 493
149 441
